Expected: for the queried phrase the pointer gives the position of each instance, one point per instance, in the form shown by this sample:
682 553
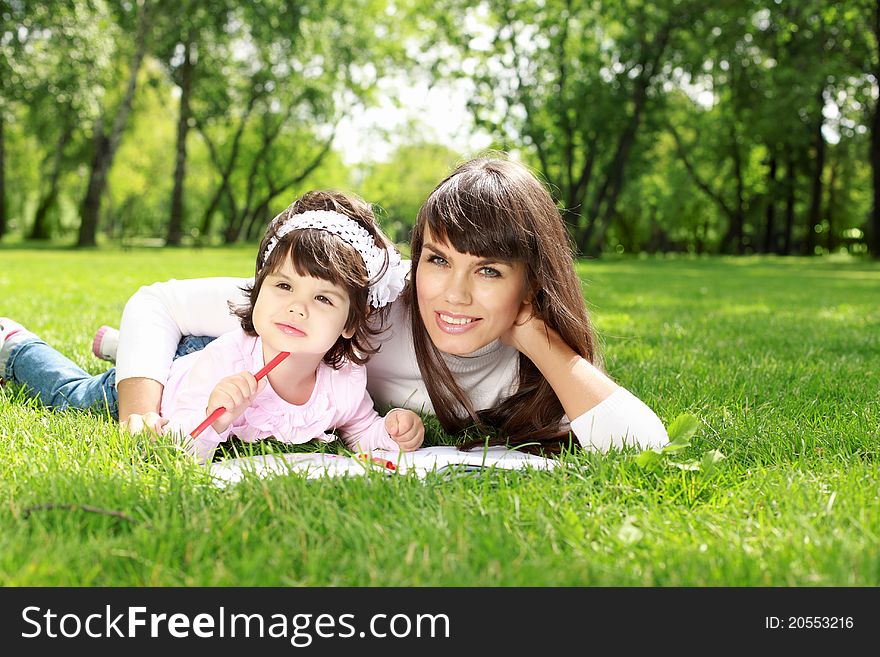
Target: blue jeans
59 383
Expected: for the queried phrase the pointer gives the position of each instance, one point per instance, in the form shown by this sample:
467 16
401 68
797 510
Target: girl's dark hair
325 255
496 208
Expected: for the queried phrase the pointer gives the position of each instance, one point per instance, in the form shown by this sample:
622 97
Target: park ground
777 358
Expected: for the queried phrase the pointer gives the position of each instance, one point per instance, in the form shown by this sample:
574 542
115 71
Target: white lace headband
383 289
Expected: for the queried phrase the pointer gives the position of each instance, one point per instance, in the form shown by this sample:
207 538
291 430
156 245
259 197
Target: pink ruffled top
339 401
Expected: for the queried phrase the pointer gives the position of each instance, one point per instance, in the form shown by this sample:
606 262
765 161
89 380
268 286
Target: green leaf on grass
649 459
675 447
690 465
682 428
710 460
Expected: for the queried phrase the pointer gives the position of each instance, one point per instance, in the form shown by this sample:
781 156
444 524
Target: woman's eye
490 272
437 260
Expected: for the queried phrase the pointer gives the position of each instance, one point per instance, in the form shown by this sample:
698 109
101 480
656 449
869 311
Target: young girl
323 270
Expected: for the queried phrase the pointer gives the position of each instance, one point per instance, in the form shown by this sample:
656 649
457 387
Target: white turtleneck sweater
158 315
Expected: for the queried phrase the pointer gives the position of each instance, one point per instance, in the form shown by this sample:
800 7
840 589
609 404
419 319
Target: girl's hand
405 428
150 422
235 393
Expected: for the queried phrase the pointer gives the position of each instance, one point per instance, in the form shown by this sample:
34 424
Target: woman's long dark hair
496 208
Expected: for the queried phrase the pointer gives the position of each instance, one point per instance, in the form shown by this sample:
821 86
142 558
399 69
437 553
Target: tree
106 143
873 69
269 122
400 185
572 82
193 33
59 63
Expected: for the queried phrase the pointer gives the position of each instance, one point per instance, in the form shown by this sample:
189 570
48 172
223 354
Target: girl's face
300 314
465 301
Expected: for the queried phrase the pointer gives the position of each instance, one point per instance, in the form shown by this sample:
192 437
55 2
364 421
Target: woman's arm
154 320
603 414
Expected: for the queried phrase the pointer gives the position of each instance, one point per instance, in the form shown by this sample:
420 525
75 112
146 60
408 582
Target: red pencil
222 409
380 461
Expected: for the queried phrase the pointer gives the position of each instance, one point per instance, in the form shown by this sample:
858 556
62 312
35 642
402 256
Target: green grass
779 360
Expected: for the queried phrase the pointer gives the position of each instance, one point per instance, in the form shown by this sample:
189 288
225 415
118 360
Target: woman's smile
454 323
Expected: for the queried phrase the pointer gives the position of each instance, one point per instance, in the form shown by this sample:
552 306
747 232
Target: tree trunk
40 229
874 226
91 204
261 211
208 216
769 227
790 183
732 242
2 176
230 233
175 223
613 184
106 146
831 242
815 212
225 170
704 187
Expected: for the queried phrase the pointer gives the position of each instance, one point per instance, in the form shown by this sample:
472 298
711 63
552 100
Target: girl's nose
299 309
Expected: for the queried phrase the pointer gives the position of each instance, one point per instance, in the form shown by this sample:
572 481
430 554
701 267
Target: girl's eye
283 286
322 299
490 272
437 260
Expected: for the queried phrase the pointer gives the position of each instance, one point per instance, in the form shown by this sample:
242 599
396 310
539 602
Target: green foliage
400 185
591 95
660 125
680 432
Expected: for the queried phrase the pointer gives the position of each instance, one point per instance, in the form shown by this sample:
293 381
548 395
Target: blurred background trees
671 125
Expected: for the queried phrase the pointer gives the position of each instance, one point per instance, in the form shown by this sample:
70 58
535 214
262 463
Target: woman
492 331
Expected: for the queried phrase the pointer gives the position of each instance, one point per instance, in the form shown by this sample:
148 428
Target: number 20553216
809 622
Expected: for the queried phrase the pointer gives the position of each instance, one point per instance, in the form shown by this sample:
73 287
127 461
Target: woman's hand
526 329
578 383
405 428
235 393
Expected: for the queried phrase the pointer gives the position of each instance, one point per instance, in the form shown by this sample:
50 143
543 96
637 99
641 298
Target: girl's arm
364 429
154 320
361 427
603 414
188 404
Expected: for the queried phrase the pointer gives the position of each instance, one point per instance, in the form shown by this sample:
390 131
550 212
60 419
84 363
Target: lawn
778 359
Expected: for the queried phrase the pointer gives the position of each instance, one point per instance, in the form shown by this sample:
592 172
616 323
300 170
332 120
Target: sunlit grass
778 358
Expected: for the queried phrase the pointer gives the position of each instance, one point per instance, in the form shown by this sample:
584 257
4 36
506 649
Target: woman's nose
457 291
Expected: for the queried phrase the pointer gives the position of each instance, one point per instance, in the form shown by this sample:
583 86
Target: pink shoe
105 343
7 329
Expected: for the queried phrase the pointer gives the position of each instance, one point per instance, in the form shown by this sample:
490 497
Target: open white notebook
449 460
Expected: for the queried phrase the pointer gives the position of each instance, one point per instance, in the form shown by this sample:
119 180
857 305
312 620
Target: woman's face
465 301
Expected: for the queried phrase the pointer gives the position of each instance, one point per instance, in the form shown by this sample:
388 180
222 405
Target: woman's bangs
485 230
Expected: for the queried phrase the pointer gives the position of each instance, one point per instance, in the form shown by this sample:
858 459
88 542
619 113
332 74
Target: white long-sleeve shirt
158 315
